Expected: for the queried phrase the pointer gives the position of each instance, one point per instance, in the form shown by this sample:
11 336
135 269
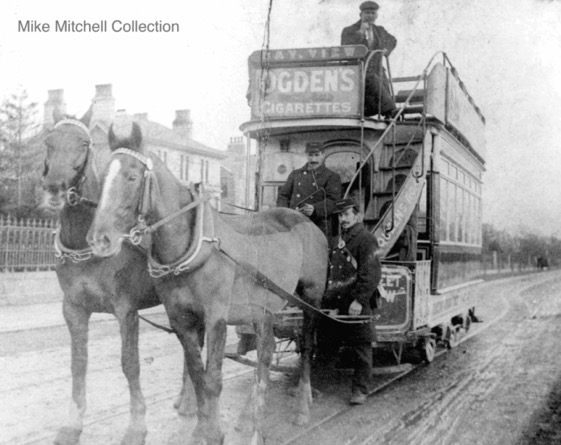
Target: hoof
68 436
134 437
301 419
184 408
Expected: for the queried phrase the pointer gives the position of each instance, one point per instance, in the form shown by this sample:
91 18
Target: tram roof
256 129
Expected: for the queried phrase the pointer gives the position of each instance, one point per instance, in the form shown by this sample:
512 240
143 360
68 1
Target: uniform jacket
305 186
349 282
382 40
362 246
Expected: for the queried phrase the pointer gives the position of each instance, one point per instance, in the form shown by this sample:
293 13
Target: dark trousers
377 95
328 343
363 367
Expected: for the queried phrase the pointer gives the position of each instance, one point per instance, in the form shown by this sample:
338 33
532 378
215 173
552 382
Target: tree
19 157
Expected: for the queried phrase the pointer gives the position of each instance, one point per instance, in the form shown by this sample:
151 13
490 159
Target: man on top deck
374 37
313 190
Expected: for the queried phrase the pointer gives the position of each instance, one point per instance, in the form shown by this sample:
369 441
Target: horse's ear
87 117
136 136
57 115
124 132
112 139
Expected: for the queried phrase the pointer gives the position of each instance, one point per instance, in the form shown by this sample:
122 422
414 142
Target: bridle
144 204
74 193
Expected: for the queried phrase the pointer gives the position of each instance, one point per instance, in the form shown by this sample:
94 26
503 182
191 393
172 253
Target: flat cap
365 6
346 203
312 147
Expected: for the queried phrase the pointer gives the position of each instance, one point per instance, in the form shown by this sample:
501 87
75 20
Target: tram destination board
292 84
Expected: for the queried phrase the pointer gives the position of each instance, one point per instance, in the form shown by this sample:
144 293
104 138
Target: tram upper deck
423 169
320 88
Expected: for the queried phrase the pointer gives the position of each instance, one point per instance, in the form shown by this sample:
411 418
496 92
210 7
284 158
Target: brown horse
202 260
119 285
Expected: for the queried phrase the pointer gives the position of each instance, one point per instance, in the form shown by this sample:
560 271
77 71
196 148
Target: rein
192 259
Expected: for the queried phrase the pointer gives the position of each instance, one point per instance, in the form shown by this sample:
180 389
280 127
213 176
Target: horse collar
62 252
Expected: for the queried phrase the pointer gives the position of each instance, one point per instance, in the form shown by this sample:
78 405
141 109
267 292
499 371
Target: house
189 160
237 177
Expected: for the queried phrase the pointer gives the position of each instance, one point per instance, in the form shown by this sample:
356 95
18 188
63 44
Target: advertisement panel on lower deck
316 91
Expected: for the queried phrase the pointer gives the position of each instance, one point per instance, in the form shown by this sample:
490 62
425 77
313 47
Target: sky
506 51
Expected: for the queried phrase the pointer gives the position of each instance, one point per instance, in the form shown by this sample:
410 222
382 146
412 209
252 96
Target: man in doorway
378 98
356 296
313 190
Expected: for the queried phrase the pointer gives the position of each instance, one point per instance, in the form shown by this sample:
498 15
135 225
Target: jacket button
305 173
313 183
298 195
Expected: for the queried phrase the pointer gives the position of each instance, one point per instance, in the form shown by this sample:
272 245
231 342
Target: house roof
158 134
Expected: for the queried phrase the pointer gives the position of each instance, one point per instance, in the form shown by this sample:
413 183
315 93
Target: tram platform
45 315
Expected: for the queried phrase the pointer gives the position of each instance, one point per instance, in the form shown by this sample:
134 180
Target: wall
21 288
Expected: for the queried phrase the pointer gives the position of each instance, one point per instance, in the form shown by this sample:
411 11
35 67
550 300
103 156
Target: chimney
183 123
54 102
141 116
237 145
103 107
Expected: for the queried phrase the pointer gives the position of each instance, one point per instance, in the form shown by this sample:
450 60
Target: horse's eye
132 178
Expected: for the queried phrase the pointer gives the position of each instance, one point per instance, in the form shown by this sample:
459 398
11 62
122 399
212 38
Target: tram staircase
397 186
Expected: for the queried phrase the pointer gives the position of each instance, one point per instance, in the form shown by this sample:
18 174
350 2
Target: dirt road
501 385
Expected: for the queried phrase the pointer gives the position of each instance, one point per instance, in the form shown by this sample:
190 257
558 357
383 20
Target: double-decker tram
417 176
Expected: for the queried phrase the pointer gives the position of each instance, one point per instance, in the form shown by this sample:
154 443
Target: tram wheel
467 323
452 337
428 349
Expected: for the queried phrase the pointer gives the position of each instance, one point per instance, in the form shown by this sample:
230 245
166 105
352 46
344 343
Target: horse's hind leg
77 319
136 431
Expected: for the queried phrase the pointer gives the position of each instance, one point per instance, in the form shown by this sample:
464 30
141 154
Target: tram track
239 375
299 437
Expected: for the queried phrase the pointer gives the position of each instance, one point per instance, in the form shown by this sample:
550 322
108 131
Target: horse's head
126 189
68 149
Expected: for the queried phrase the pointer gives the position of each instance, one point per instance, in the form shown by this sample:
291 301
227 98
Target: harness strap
156 325
269 284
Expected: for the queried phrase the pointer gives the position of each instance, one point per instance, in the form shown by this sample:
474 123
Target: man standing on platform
357 246
313 190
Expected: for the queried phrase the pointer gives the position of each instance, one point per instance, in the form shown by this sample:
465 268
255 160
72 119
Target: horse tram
417 178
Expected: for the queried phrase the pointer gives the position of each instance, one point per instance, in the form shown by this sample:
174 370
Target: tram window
422 212
443 209
452 211
343 162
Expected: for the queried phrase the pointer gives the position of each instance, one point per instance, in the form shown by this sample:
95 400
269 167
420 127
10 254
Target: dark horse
119 285
202 260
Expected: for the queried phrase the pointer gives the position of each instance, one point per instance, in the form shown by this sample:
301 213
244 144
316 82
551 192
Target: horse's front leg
185 401
128 324
77 319
304 386
187 326
209 417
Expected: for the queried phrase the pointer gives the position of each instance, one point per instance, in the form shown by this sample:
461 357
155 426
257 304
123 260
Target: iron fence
26 244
